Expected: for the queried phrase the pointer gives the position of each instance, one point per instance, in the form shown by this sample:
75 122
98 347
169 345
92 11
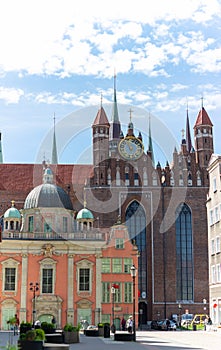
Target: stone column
24 276
70 300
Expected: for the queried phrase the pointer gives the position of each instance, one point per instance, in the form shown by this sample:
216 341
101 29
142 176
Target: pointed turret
54 157
203 134
1 156
188 136
100 146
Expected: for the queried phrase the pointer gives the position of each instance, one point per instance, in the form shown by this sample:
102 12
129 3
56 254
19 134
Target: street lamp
133 272
34 287
113 295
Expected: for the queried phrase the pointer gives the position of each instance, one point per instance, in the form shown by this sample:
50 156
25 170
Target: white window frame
84 264
213 274
214 185
10 263
218 273
217 244
48 263
211 217
212 246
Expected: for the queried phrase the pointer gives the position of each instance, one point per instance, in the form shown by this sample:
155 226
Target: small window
217 244
47 280
212 246
84 279
117 265
128 262
65 224
218 273
106 266
211 217
105 292
216 214
10 274
30 224
128 292
119 243
214 184
213 274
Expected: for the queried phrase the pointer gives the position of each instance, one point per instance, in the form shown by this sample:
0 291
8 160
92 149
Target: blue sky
58 57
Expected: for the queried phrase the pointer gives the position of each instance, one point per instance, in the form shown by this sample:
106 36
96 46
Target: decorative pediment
10 263
84 263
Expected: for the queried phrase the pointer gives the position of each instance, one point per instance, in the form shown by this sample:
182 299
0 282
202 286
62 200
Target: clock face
131 148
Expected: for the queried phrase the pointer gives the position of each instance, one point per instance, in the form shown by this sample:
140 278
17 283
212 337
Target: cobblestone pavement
179 340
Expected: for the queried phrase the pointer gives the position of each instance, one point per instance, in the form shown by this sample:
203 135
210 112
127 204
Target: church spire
150 146
188 136
1 156
54 158
115 123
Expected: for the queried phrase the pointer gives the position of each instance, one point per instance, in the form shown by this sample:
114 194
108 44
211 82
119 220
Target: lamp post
113 295
34 287
133 272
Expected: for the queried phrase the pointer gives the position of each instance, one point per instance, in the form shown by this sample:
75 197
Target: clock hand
129 145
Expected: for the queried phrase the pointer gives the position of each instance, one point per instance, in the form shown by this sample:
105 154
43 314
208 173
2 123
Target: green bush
70 328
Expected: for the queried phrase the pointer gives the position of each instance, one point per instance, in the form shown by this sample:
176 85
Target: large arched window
184 254
136 223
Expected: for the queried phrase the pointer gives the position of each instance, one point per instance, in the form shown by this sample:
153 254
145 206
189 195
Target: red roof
101 118
203 118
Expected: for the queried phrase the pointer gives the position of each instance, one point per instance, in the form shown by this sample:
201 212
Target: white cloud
10 95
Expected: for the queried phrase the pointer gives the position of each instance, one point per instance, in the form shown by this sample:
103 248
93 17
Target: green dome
12 213
85 214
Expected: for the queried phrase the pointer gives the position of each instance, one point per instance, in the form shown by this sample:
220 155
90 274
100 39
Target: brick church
64 226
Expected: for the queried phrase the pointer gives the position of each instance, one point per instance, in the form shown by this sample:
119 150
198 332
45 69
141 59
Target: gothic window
145 179
109 177
136 223
136 178
118 177
127 179
181 179
172 182
189 180
154 179
199 182
184 254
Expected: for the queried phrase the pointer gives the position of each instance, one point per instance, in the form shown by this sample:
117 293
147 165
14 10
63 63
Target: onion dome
48 195
85 214
12 213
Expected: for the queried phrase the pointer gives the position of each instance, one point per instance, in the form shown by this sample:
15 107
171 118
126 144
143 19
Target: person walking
130 324
123 324
16 324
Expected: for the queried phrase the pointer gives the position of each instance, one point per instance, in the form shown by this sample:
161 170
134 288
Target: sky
58 59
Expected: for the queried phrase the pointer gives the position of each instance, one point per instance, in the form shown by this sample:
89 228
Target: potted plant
100 329
48 327
71 333
33 339
25 326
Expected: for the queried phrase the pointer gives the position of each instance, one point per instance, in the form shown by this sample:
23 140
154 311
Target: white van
186 319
